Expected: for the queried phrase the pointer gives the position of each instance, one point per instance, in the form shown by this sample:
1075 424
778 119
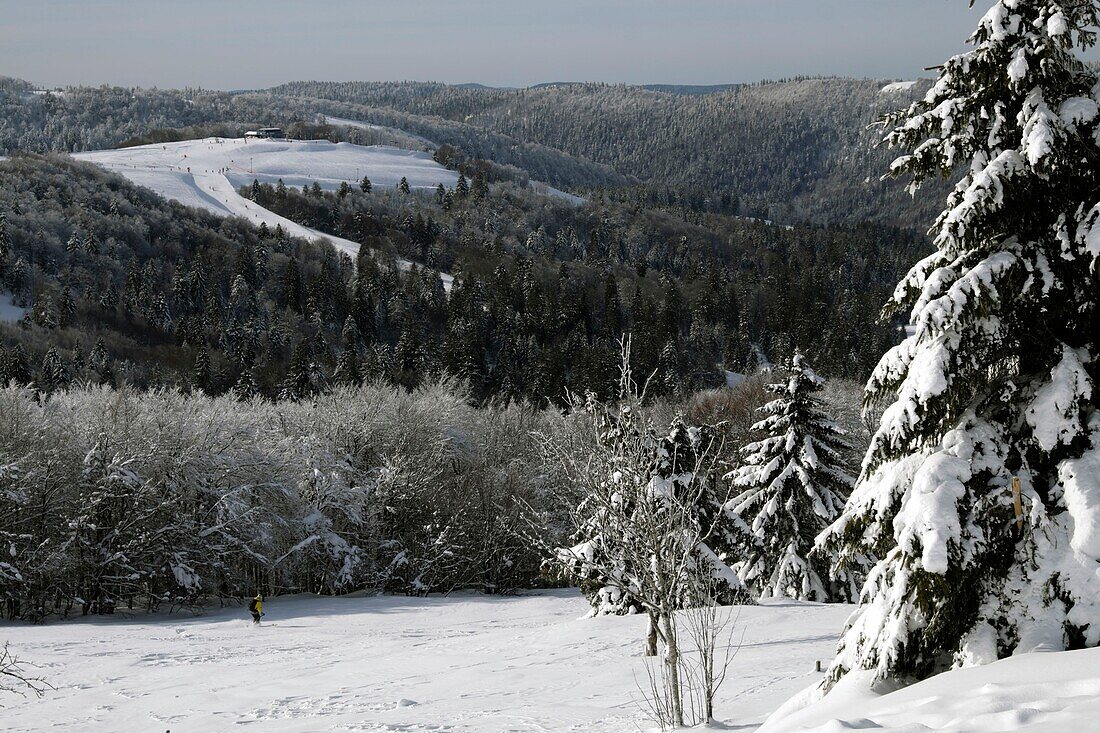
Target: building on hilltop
266 133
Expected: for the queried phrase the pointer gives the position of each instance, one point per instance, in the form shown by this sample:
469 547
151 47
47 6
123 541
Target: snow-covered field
465 663
208 173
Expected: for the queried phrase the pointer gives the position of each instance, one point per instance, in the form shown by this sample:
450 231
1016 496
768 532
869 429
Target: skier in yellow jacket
256 607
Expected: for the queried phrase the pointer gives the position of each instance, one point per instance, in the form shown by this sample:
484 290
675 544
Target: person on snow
256 607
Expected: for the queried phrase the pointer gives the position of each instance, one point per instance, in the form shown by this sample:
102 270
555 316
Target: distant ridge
699 89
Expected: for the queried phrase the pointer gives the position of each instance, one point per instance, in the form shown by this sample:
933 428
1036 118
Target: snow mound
898 86
208 173
1039 693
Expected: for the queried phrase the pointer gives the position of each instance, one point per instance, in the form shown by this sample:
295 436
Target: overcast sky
232 44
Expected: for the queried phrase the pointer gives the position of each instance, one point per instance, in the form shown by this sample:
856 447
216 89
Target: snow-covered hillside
537 186
208 173
465 663
1039 692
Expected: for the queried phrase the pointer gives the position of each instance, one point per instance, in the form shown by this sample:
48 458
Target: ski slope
464 663
208 174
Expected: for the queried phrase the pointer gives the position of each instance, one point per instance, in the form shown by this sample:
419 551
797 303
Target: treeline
127 498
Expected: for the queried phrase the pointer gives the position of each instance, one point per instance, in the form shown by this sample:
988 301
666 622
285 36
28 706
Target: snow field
464 663
208 173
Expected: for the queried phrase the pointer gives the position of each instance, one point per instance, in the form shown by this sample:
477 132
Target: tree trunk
651 636
672 660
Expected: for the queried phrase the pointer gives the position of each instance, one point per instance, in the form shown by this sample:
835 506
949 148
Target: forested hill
77 119
796 150
120 285
791 150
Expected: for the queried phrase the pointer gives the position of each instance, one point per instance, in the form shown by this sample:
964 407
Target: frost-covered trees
120 497
997 381
793 483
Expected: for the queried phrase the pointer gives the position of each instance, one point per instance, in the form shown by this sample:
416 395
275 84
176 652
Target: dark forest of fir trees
122 286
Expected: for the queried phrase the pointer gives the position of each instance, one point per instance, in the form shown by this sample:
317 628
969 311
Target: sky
239 44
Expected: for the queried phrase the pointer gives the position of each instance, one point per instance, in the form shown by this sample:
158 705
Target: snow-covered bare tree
980 491
793 485
647 527
637 482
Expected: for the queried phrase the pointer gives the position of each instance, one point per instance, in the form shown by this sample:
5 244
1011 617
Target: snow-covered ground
9 311
208 173
547 190
464 663
1053 692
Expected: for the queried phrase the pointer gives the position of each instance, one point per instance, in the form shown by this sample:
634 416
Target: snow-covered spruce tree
793 484
997 379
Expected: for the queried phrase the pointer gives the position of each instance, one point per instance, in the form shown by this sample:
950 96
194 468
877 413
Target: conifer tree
403 185
55 374
201 372
298 383
480 187
365 185
347 364
16 367
245 388
994 392
462 188
5 245
792 484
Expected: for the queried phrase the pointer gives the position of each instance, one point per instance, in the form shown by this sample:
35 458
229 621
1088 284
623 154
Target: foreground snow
208 173
1051 692
466 663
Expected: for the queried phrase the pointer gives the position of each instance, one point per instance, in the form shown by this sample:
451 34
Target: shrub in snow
793 484
997 379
